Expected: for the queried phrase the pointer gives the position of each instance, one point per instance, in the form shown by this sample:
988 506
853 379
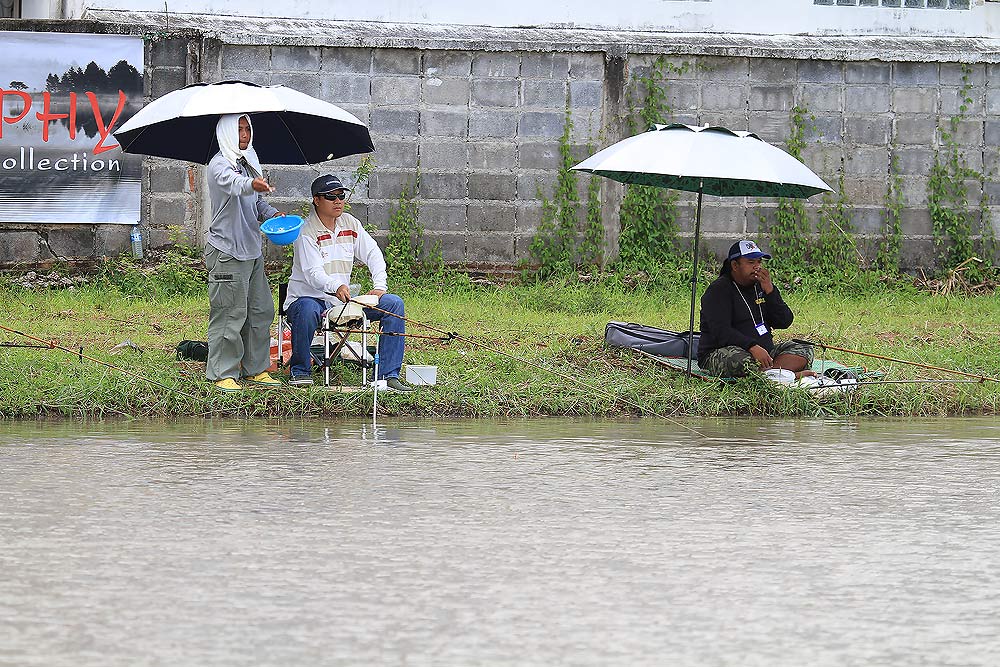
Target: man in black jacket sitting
739 310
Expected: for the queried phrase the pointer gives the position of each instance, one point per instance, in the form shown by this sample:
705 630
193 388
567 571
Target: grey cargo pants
239 322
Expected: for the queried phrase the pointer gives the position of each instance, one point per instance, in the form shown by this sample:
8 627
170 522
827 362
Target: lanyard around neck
750 310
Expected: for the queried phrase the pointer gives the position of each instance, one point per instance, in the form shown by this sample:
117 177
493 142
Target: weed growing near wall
168 273
591 248
178 271
361 176
835 255
408 258
988 239
405 240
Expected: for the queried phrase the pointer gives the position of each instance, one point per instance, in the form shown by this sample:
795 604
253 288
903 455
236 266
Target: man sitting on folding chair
324 255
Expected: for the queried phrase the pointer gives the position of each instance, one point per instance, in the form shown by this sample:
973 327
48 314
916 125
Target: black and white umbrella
290 127
706 160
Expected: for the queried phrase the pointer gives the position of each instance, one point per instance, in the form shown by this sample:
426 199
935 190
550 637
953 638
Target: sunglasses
333 196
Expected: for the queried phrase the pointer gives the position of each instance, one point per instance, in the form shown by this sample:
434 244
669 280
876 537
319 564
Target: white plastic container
780 375
421 374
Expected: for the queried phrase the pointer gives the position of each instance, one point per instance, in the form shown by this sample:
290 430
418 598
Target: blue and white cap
747 249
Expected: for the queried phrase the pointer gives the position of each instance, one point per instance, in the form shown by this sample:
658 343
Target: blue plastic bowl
283 229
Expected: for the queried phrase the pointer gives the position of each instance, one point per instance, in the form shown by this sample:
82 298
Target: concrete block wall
475 134
480 123
865 120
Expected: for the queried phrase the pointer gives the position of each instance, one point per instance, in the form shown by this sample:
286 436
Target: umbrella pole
694 276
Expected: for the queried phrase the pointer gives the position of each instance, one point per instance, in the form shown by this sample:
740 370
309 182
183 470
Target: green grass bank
552 326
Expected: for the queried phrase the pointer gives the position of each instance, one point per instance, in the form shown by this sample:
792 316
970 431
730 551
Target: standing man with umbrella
209 123
242 308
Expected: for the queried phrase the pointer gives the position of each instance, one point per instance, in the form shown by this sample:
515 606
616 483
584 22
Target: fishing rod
52 345
980 378
841 384
452 335
440 339
864 383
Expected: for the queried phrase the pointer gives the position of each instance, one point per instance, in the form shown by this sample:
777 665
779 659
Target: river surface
543 542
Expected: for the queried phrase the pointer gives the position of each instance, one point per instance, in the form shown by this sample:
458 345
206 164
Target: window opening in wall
904 4
10 9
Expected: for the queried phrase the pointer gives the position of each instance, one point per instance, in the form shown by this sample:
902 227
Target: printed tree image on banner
62 96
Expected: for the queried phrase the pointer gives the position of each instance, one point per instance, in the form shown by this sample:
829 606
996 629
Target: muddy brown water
537 542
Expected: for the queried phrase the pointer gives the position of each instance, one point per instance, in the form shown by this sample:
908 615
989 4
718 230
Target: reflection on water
537 542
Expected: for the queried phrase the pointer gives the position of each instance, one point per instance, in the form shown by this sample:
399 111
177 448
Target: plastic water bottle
136 237
355 289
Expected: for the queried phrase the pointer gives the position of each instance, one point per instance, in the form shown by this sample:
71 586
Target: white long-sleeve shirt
324 258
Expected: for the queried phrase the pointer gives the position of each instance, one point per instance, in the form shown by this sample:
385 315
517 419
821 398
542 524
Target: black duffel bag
662 342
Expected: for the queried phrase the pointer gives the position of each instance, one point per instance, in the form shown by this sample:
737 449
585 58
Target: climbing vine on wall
591 248
954 226
407 254
648 217
891 243
560 248
789 230
553 248
405 239
835 254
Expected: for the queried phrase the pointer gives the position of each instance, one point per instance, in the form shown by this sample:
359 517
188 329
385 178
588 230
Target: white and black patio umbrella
706 160
290 127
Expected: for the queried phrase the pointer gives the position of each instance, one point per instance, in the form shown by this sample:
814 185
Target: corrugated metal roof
317 32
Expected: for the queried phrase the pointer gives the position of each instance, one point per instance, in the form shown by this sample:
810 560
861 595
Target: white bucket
421 374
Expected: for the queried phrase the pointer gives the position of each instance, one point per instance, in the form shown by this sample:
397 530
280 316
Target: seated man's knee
730 361
791 362
802 350
392 303
748 366
305 314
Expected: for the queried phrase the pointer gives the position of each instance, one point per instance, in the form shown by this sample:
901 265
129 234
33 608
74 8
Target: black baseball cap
327 183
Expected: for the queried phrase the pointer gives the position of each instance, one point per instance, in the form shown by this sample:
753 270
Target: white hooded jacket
236 208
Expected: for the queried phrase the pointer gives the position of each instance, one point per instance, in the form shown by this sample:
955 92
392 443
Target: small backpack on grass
192 350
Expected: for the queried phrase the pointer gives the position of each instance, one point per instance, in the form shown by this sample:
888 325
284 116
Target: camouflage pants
734 361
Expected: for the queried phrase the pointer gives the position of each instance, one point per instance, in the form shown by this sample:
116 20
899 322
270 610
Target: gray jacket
237 210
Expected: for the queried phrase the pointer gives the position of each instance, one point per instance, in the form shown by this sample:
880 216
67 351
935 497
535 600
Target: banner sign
62 95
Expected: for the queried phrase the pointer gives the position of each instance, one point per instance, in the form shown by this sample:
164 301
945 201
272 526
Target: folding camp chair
337 326
334 332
